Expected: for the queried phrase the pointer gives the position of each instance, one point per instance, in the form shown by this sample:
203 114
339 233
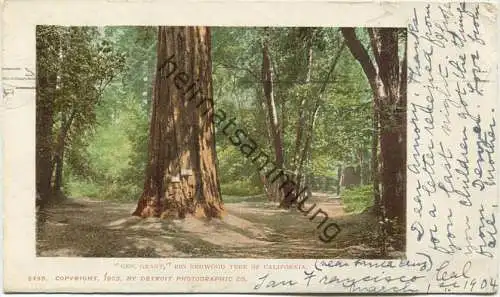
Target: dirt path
90 228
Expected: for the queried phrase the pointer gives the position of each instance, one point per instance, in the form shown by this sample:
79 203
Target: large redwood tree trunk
181 176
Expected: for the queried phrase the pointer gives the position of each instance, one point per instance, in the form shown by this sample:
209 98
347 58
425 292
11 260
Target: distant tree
181 175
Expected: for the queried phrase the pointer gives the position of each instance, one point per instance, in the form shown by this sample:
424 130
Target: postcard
250 146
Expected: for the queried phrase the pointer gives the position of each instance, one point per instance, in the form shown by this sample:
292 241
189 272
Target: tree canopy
325 105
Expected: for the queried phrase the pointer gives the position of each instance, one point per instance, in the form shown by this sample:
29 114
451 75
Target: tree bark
58 158
44 122
181 175
301 122
46 86
267 79
303 149
277 138
391 146
302 118
339 179
361 161
375 163
268 189
59 152
401 119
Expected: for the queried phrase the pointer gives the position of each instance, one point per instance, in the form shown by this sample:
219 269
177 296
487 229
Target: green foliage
240 188
324 165
81 188
107 158
109 163
110 154
357 199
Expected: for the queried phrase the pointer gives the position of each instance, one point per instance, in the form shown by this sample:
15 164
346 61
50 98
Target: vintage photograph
255 147
221 142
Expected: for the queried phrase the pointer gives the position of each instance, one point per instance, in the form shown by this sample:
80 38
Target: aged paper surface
451 184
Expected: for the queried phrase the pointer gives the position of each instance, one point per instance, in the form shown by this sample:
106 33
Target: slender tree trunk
303 150
302 119
277 138
266 124
339 178
267 78
59 152
401 120
181 175
268 189
360 165
304 156
301 123
266 186
307 154
58 165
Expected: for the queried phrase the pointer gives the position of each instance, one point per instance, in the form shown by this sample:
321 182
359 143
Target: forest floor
85 227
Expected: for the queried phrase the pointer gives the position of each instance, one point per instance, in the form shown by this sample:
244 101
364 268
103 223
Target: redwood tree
181 176
387 78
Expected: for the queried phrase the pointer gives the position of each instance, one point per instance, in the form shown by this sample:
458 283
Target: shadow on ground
90 228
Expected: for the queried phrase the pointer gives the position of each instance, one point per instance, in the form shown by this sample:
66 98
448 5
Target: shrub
357 199
240 188
78 188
